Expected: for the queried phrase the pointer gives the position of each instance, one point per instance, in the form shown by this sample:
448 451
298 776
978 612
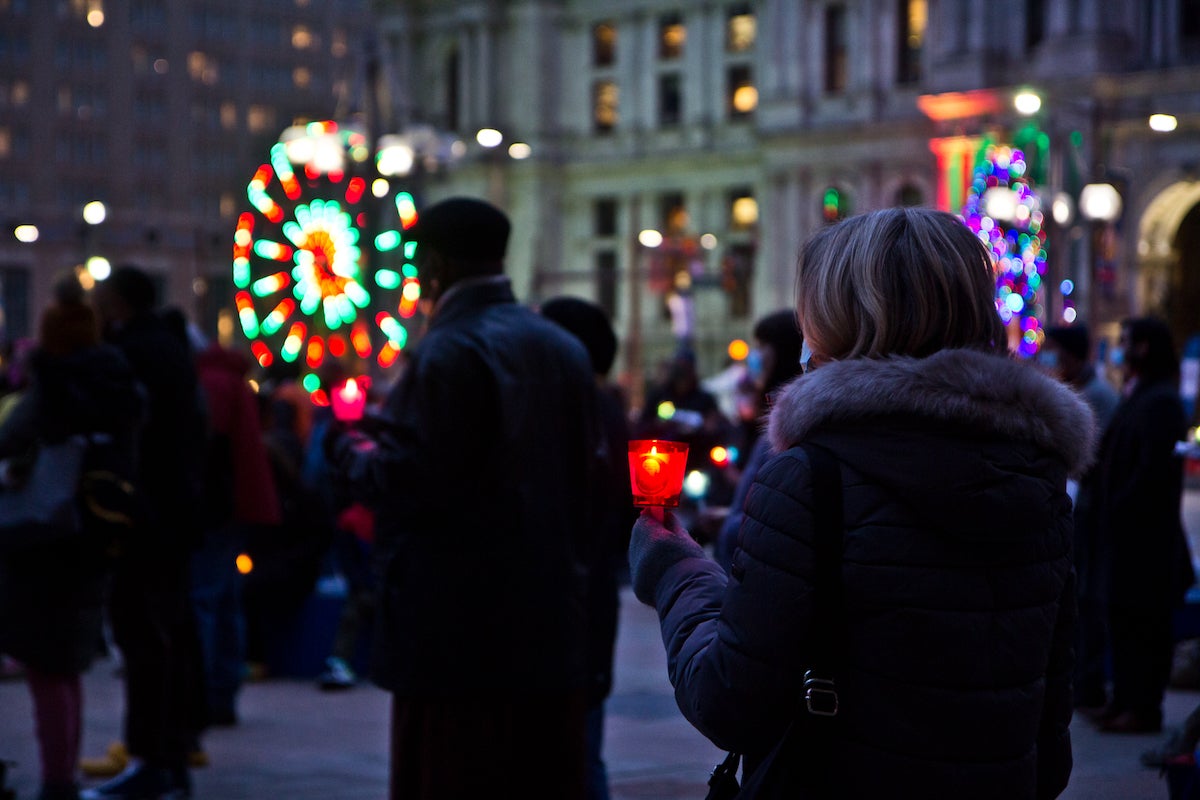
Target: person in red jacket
239 494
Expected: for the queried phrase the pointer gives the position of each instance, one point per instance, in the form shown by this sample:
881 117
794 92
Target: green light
409 270
410 250
387 279
666 410
241 272
388 240
346 309
357 294
249 323
311 382
332 318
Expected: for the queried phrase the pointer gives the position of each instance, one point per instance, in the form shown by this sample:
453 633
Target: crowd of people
1006 537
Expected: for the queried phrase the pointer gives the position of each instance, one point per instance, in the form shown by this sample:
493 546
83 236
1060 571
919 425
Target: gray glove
654 547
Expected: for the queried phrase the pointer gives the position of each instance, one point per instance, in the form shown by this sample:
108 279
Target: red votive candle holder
656 468
349 400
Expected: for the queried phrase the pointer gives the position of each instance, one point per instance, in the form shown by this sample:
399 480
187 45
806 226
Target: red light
719 456
656 468
337 346
388 355
261 354
349 401
316 352
354 190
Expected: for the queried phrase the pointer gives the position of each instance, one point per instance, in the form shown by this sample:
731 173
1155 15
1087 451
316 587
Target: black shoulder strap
829 598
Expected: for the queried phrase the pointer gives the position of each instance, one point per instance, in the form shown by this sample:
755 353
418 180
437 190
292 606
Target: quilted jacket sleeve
735 651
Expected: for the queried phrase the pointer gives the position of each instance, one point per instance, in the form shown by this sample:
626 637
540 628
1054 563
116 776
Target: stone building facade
736 129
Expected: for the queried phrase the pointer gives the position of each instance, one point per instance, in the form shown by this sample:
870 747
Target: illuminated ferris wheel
313 279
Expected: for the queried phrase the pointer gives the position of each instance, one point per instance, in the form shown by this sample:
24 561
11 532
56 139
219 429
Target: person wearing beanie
52 590
479 470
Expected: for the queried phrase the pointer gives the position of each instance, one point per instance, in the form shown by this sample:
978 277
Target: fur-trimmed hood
968 388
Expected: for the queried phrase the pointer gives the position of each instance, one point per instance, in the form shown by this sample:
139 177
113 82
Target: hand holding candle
656 468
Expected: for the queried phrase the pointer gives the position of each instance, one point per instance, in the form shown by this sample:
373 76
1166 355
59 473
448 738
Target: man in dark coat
149 606
478 473
1139 487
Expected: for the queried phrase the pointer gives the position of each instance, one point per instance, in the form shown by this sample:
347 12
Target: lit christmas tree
1005 212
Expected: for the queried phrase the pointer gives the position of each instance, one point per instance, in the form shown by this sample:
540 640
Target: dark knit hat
67 327
1073 339
589 324
463 228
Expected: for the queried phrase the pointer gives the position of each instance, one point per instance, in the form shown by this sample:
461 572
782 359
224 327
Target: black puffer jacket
957 573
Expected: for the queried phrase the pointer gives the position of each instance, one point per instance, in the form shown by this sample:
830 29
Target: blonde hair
901 281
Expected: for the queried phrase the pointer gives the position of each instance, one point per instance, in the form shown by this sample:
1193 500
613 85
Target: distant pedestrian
52 588
1066 354
239 499
778 348
949 651
479 472
149 606
613 513
1139 490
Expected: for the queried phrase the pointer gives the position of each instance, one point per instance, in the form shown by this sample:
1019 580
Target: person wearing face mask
1139 488
1065 355
778 357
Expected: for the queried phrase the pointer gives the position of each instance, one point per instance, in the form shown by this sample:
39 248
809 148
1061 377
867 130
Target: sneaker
139 782
337 675
111 763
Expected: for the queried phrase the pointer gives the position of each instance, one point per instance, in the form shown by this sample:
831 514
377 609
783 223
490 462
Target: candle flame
350 390
653 450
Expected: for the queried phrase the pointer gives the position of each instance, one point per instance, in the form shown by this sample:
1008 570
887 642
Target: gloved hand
658 542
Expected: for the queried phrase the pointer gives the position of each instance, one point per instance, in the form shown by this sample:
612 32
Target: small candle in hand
656 468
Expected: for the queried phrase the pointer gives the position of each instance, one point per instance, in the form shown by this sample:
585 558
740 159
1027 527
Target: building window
301 77
835 49
670 99
604 217
1035 23
604 44
743 210
737 267
741 94
672 213
606 281
914 18
741 29
672 35
604 106
302 37
260 119
14 292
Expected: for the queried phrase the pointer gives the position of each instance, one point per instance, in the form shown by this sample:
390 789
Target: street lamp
1100 202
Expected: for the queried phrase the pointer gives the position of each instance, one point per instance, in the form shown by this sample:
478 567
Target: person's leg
57 708
597 772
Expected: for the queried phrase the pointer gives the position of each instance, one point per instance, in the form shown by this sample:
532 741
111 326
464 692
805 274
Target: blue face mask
805 357
1116 356
1048 359
754 364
